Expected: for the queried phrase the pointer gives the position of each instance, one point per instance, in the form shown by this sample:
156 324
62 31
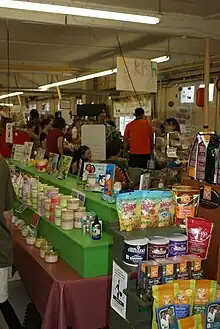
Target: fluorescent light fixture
7 104
74 11
11 95
161 59
79 79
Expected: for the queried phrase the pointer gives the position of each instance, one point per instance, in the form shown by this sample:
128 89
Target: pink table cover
62 297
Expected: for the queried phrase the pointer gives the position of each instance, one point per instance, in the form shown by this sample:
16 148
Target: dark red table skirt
62 297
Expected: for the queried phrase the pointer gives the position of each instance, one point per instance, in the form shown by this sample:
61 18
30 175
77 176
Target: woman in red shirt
55 137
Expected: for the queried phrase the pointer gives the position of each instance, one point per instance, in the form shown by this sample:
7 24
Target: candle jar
58 212
30 240
24 231
45 246
51 257
57 221
39 242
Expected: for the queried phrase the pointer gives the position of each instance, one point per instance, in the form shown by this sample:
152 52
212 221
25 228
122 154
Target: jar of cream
80 213
47 214
55 199
51 257
67 214
67 225
47 203
73 204
30 240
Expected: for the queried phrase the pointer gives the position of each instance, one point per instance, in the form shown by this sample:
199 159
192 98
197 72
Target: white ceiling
42 46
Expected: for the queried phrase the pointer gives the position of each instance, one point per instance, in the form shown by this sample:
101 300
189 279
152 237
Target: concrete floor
19 299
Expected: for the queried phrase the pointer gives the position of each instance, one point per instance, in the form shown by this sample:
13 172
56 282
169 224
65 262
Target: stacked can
58 215
26 193
67 217
46 207
63 200
80 214
55 201
40 197
34 198
73 204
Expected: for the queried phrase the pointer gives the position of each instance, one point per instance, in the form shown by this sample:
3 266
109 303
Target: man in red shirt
138 137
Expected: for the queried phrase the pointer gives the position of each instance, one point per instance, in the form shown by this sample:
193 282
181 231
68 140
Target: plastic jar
157 247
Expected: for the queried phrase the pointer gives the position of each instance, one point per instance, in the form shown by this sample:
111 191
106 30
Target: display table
105 211
62 297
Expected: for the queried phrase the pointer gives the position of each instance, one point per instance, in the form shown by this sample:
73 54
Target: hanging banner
142 72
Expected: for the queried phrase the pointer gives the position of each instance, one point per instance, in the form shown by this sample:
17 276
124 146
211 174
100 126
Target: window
187 95
211 91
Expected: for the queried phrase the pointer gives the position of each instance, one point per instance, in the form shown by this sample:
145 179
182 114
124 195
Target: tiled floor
19 299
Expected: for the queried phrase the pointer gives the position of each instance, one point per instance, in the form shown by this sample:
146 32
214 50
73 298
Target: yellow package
205 292
217 295
192 322
184 298
163 295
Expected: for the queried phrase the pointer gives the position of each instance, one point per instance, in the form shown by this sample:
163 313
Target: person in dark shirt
55 137
47 125
7 197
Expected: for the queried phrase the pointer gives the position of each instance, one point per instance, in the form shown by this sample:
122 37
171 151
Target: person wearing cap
138 138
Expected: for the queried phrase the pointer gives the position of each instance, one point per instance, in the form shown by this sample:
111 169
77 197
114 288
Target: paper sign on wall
142 72
94 136
9 133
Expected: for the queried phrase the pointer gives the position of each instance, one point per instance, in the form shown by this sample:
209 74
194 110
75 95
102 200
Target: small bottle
96 229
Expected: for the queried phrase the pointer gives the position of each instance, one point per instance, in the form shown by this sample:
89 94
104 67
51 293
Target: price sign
80 195
35 220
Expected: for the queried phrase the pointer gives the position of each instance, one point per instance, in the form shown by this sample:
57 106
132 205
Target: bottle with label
96 231
108 189
212 159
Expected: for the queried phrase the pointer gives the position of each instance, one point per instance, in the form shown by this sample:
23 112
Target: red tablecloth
62 297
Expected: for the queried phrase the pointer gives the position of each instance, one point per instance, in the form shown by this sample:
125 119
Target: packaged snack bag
217 296
166 317
167 269
164 295
204 293
192 322
184 298
129 212
212 316
199 232
196 269
186 203
182 269
148 275
156 208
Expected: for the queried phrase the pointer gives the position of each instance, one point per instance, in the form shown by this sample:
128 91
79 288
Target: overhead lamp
79 79
161 59
11 95
74 11
7 104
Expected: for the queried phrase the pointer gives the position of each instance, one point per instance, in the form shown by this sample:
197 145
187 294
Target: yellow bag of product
205 293
192 322
163 295
184 298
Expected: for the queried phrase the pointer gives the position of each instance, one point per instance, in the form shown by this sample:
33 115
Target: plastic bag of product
186 202
163 295
205 292
156 208
199 233
192 322
129 210
184 298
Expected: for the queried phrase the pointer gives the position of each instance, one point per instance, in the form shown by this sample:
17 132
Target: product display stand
209 209
139 311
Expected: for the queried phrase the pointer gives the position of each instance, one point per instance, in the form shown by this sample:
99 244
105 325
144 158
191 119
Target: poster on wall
142 72
126 106
94 136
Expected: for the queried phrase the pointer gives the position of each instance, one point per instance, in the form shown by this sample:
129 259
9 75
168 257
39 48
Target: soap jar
51 257
30 239
39 242
24 231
